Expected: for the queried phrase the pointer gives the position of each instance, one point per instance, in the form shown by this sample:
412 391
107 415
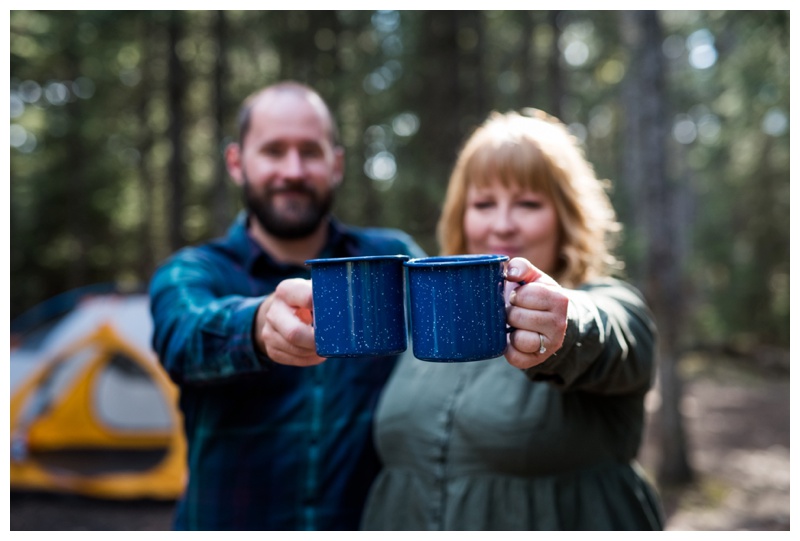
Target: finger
531 320
527 341
295 292
292 357
288 326
551 323
521 360
537 296
277 343
533 296
520 269
284 351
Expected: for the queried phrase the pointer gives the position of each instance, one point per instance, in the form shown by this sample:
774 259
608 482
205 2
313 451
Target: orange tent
92 411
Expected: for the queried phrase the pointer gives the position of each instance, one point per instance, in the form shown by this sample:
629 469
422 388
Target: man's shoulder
210 254
231 245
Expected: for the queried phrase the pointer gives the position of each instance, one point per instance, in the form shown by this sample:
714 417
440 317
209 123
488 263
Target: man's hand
283 328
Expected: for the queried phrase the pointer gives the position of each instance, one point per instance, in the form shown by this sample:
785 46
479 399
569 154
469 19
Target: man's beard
297 220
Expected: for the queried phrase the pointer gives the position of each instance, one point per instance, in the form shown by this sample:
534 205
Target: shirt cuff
581 342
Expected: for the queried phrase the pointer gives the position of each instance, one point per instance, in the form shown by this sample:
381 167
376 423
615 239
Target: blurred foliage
118 120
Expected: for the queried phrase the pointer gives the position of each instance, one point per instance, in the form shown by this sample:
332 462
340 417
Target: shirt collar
340 242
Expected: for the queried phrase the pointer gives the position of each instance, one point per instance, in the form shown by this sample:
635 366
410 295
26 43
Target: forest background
119 119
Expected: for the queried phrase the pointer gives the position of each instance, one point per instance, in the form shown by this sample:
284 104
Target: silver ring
542 349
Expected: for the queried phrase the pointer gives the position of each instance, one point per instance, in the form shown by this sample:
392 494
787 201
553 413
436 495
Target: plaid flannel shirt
270 447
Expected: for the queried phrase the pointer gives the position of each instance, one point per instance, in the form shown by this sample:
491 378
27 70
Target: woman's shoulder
609 292
609 284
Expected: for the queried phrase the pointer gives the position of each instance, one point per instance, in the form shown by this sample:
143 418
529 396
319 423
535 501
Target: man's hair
286 87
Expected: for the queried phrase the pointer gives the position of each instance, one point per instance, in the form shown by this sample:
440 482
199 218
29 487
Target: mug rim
356 259
456 260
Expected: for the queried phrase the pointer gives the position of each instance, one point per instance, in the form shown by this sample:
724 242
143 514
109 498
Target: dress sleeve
199 335
609 347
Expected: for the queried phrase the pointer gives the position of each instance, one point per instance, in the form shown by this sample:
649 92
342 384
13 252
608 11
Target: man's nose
292 166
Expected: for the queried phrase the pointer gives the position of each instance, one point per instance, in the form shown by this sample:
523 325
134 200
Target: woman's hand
283 329
537 311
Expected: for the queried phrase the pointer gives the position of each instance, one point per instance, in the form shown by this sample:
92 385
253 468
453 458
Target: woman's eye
481 205
530 204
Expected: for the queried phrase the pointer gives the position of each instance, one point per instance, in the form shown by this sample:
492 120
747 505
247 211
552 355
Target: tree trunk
80 218
554 68
472 61
221 204
526 63
177 167
146 260
443 107
647 123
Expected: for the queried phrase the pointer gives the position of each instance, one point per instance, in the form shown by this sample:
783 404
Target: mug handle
509 328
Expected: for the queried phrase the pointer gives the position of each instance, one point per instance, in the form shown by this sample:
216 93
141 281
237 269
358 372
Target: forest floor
736 415
737 429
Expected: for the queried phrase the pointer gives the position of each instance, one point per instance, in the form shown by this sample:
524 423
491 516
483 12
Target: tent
92 411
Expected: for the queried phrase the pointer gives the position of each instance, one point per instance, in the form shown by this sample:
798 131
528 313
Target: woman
547 437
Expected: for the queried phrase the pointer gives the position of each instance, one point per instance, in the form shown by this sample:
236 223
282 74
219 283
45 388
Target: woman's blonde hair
536 151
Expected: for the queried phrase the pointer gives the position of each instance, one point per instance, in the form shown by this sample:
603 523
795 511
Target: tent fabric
92 411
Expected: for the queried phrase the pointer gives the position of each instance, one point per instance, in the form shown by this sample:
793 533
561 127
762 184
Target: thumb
521 270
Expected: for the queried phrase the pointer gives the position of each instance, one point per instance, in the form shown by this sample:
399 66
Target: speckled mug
457 308
359 306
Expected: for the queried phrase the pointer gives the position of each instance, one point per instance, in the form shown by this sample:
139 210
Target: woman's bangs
482 167
514 164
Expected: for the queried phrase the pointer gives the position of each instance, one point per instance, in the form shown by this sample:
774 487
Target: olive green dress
485 446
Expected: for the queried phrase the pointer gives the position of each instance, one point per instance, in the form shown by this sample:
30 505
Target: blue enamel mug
458 310
359 306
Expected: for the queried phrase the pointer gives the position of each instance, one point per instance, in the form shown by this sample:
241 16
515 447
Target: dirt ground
737 422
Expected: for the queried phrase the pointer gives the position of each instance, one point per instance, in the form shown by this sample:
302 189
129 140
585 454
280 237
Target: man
278 437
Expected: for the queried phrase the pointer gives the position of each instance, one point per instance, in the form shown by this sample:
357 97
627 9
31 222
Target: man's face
289 166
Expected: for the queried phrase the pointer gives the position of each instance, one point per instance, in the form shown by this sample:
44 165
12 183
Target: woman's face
512 221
